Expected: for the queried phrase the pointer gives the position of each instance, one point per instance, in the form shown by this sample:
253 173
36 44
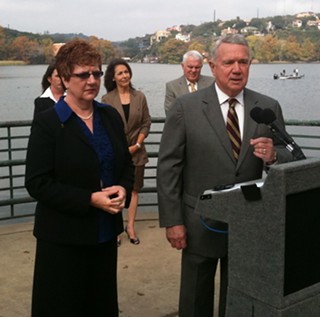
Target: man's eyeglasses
85 75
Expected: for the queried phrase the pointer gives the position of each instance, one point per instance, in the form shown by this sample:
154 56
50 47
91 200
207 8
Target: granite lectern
273 241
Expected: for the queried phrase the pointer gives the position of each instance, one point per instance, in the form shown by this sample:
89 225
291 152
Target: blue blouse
101 143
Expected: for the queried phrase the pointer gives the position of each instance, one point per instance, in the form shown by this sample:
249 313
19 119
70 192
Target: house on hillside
251 30
159 35
297 23
183 37
56 47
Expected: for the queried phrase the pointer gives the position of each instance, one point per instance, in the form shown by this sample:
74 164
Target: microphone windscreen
255 114
267 116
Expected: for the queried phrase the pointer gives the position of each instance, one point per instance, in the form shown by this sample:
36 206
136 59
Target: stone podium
273 241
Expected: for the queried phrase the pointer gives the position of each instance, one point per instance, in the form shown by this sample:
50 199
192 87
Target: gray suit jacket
195 154
178 87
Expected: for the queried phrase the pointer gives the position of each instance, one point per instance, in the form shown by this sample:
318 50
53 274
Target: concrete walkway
148 274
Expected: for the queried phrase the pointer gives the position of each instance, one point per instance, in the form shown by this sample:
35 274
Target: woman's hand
134 148
110 199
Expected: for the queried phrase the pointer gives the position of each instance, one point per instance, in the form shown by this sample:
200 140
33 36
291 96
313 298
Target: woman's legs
132 211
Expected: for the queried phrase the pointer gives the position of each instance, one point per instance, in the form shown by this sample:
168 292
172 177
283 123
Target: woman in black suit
52 90
80 172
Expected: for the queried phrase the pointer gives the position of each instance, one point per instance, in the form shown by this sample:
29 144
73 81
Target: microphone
268 117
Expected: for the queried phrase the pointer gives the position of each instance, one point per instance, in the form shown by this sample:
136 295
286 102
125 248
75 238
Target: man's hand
177 236
264 149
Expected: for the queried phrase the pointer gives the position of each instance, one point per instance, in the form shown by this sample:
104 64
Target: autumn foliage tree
23 49
172 51
107 50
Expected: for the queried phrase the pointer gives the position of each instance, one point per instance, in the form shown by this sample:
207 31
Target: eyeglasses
85 75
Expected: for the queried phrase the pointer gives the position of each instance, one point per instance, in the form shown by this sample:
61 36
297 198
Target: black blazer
41 104
62 170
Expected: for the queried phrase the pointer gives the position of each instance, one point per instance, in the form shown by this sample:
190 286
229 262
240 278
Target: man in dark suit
191 81
196 154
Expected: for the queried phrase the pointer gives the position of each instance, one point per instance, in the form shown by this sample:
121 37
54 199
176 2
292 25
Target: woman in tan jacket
133 109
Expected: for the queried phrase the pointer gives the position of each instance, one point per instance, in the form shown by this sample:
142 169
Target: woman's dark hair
45 82
109 82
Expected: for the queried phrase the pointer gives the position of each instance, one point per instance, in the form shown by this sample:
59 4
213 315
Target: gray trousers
197 285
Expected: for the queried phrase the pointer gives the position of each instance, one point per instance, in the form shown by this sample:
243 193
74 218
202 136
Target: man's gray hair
229 39
194 54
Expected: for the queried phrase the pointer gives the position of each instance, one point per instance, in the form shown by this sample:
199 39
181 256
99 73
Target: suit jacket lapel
250 126
213 114
116 103
73 127
183 87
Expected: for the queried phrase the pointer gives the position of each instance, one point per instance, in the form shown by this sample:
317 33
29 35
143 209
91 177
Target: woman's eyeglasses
85 75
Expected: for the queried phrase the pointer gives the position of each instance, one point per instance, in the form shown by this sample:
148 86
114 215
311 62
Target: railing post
10 169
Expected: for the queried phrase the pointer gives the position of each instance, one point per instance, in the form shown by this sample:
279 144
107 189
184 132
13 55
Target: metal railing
15 201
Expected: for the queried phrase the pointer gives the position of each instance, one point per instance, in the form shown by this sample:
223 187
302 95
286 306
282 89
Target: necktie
233 128
193 87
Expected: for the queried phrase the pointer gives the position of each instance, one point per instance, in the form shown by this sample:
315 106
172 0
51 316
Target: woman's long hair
109 81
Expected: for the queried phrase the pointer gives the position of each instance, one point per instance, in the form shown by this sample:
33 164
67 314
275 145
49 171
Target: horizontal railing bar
16 201
12 162
17 216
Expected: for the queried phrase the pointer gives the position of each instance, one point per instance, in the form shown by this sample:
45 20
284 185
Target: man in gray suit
191 81
196 154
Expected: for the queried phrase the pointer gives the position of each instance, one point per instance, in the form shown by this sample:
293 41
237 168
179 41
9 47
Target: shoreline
12 63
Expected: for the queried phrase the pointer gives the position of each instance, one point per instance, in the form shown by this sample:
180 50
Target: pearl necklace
85 118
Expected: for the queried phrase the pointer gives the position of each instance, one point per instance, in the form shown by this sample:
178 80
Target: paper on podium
226 188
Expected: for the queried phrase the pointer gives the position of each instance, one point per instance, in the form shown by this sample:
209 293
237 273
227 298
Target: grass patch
12 63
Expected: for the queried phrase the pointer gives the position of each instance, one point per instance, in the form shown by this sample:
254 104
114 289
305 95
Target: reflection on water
20 85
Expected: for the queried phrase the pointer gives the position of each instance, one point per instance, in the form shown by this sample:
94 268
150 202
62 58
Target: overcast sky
117 20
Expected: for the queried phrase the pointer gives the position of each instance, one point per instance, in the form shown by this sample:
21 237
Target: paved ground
148 274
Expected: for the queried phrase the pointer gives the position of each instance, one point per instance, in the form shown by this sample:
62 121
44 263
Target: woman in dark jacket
80 172
52 90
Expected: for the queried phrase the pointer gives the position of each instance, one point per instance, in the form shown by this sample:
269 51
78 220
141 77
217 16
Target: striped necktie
193 87
233 128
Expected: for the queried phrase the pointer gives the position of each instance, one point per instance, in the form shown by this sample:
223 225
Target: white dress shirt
239 108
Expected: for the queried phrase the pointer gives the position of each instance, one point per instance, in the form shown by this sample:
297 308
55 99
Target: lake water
20 85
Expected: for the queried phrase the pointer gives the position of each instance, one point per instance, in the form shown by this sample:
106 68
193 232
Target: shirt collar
189 83
64 112
223 97
48 94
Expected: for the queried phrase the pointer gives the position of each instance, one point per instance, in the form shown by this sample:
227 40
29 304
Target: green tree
131 47
195 45
172 51
3 50
46 45
291 49
105 48
264 48
308 51
260 24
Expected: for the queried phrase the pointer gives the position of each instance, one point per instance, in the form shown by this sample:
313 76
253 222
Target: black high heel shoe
134 241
